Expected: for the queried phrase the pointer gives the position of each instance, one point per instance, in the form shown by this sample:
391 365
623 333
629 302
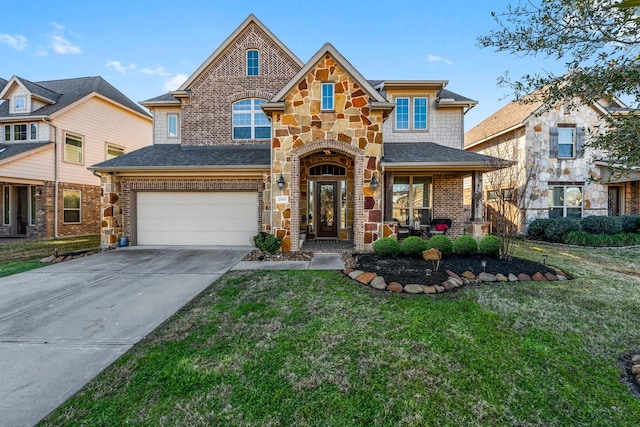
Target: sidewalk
318 262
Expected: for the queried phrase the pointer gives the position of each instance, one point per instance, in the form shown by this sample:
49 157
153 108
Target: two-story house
555 174
257 140
51 132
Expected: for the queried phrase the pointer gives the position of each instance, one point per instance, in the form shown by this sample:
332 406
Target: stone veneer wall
206 117
352 129
111 208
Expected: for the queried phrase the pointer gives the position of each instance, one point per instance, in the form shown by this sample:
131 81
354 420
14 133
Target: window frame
573 145
565 208
415 112
410 219
33 131
77 138
171 117
404 111
108 146
7 133
16 104
22 132
406 117
254 111
252 64
66 209
328 100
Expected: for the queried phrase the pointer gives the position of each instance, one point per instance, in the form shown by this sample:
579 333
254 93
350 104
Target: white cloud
41 51
436 58
158 71
119 67
18 42
60 42
175 82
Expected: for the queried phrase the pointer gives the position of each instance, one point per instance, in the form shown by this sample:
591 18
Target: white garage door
196 218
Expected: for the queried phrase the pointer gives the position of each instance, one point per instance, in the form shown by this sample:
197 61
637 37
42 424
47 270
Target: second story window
411 113
34 131
20 102
566 138
565 141
19 132
114 151
327 96
249 121
172 125
72 149
252 62
7 132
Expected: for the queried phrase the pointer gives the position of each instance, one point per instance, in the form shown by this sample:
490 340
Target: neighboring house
554 173
257 140
51 132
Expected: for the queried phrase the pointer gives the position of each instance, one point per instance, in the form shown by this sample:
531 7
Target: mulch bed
414 270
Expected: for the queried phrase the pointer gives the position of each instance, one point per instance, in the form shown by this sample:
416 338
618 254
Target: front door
327 209
614 201
22 210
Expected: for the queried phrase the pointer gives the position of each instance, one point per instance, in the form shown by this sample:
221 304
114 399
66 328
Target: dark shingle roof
175 156
458 98
2 83
166 98
10 150
66 92
431 154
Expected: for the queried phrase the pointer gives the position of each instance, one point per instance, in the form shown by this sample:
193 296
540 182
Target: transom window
327 170
249 121
252 62
72 148
412 199
327 96
565 201
566 142
71 206
417 119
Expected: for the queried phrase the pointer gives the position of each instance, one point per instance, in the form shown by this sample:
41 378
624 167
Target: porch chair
404 231
439 226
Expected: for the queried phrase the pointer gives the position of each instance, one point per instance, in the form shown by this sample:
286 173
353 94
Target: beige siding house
258 140
556 175
51 132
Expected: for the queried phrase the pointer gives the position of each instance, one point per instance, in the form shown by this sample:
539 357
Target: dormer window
20 102
252 62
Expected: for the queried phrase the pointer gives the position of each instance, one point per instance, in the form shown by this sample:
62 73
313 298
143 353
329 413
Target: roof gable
249 25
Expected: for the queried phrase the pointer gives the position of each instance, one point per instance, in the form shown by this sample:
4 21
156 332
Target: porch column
477 206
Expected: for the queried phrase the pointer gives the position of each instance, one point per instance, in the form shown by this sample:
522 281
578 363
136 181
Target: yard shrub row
588 231
413 246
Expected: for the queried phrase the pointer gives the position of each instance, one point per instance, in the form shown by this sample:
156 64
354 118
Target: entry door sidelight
327 209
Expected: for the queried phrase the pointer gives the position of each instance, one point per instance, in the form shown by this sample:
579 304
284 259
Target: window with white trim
566 142
253 56
249 121
328 103
7 132
412 199
412 113
565 201
71 207
172 125
20 102
33 127
72 148
114 151
20 132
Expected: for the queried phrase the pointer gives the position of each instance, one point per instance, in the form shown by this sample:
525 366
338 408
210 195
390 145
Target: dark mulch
414 270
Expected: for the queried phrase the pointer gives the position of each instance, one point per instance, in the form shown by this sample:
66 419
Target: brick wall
206 115
448 201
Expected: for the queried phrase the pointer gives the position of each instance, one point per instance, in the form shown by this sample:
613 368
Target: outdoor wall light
281 182
374 182
544 259
483 263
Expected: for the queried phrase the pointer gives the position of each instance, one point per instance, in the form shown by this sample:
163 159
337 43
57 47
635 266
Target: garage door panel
196 218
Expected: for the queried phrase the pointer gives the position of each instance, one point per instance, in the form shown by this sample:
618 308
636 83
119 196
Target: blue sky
145 48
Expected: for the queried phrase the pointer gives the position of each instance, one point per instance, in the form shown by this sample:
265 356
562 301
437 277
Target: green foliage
630 223
491 245
413 246
537 228
601 224
442 243
599 46
267 242
387 247
560 227
465 245
582 238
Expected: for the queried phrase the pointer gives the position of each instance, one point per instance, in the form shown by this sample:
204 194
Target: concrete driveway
63 324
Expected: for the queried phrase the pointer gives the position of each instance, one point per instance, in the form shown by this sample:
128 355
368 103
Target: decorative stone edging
454 281
633 371
53 259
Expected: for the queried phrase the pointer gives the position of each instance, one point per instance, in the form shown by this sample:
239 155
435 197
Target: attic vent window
327 170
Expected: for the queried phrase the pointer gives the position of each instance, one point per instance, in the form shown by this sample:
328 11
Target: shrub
267 242
413 246
442 243
560 227
582 238
537 228
465 246
491 245
387 247
601 224
630 223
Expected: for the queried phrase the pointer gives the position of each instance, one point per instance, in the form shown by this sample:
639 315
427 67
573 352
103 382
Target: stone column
477 206
111 210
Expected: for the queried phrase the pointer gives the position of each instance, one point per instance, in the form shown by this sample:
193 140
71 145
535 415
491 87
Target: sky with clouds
146 48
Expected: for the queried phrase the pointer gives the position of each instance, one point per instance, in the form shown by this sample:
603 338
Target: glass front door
327 209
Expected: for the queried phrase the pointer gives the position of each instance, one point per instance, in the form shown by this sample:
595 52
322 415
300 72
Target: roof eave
200 168
442 166
23 118
412 84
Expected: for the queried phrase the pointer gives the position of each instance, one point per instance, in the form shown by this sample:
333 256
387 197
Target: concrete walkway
63 324
318 262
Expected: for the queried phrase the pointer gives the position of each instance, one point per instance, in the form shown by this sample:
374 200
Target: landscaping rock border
53 259
453 283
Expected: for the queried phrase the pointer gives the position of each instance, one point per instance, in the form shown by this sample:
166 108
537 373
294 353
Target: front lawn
314 348
21 250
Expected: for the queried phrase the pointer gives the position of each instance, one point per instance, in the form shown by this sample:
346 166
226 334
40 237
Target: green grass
314 348
29 249
7 268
